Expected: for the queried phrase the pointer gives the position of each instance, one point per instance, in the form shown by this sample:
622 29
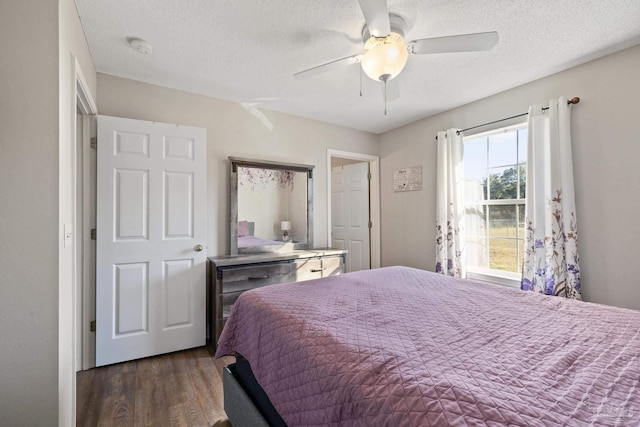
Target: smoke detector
139 45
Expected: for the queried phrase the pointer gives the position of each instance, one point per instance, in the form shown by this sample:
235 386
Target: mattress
404 347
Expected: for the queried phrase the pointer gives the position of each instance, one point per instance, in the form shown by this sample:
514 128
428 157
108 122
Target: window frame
500 277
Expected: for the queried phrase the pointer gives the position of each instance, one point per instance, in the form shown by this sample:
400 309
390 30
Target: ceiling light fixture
385 57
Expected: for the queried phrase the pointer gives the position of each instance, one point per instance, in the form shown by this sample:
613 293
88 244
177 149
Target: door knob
198 248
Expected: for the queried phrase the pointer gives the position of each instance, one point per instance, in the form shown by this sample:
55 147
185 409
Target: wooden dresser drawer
236 279
232 276
228 300
315 268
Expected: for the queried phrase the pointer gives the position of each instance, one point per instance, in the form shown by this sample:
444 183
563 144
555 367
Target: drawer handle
318 270
266 276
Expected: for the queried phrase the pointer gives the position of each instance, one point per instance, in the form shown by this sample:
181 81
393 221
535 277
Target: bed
251 241
399 346
246 238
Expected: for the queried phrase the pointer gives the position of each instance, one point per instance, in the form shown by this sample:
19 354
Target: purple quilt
404 347
250 241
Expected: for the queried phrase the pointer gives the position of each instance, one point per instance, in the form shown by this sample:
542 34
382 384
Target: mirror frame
237 162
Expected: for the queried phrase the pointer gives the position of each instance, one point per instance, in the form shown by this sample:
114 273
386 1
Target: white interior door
151 213
350 214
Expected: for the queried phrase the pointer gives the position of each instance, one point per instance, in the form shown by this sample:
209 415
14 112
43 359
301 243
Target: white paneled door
151 230
350 214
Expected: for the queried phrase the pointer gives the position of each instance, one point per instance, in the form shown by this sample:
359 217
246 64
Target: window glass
503 183
495 187
503 149
522 145
502 221
522 180
503 254
475 168
521 224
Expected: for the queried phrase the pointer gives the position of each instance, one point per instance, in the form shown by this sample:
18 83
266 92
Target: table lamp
285 226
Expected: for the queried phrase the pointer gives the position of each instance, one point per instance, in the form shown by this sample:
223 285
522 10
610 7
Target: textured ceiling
247 50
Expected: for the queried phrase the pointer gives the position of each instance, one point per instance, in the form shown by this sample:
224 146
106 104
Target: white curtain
551 253
450 205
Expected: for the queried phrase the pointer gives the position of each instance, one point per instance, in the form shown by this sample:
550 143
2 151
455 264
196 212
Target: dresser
232 275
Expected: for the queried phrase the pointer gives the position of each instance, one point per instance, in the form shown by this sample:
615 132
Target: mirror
271 207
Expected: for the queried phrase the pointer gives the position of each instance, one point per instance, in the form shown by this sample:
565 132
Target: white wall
606 149
236 130
28 213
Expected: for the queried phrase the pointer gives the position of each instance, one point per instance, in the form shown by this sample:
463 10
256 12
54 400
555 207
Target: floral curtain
551 237
450 205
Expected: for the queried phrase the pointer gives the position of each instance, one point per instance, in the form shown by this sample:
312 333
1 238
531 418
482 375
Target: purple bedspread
404 347
250 241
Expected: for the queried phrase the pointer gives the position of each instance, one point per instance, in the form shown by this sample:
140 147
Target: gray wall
237 130
606 149
28 213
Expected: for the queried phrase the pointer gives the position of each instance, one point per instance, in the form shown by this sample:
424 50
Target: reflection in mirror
271 206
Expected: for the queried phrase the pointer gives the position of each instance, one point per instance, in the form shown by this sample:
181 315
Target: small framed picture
409 179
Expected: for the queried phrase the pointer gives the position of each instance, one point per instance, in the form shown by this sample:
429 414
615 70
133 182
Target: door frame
83 284
374 198
76 96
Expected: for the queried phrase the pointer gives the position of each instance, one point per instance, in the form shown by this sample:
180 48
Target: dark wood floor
177 389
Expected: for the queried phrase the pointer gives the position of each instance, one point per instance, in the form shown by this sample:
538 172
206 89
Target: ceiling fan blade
459 43
376 15
329 66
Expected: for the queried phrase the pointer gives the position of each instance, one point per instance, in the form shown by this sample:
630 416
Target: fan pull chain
385 97
384 78
360 80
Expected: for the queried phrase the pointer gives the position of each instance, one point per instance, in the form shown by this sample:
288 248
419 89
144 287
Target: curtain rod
573 100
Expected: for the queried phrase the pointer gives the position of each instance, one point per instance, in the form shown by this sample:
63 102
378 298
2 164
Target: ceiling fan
386 53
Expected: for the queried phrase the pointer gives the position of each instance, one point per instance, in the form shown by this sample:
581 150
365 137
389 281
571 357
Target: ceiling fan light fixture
384 57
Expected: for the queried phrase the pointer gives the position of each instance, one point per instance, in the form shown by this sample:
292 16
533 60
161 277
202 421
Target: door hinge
370 224
94 143
92 326
369 176
93 234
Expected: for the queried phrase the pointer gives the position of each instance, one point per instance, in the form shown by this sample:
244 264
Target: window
495 175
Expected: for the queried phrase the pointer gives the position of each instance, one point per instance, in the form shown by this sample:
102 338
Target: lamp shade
285 225
385 57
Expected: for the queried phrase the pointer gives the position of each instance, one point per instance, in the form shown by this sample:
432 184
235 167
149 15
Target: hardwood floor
177 389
